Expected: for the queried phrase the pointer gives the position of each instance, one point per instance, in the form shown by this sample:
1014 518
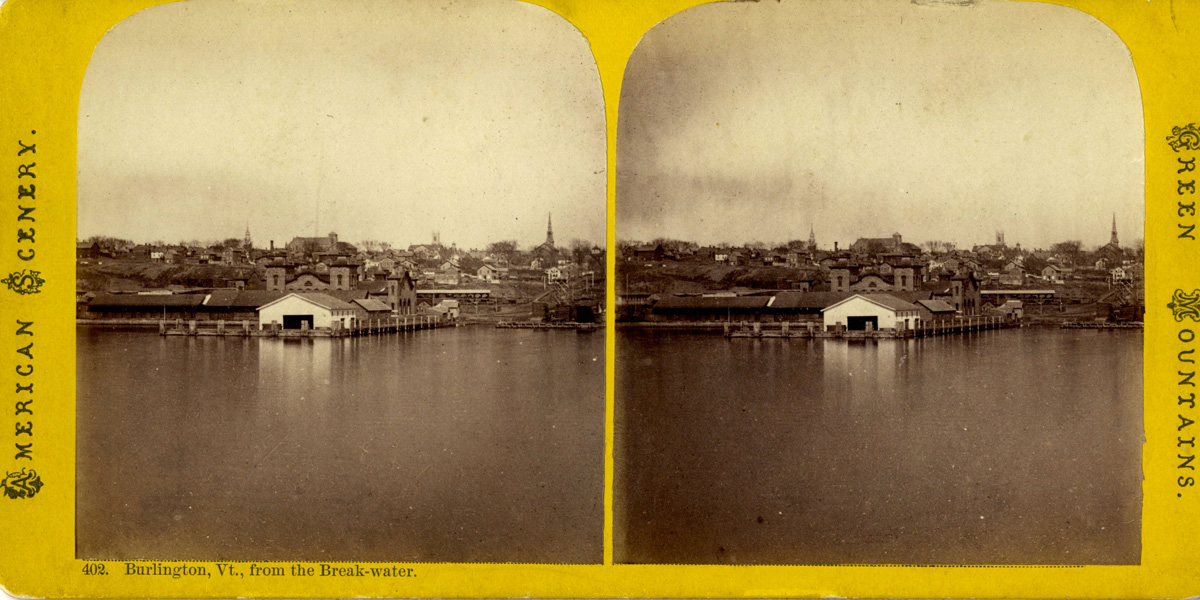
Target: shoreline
720 326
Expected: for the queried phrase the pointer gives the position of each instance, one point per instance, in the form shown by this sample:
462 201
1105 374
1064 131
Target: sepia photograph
879 287
340 285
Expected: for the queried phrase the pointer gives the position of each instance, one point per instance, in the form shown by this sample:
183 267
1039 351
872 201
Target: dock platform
245 328
815 330
1101 325
582 327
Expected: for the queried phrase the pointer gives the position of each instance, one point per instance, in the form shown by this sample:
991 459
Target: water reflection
1015 446
469 444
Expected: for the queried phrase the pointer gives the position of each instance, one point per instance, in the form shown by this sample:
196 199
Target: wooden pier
1101 325
583 327
814 329
246 328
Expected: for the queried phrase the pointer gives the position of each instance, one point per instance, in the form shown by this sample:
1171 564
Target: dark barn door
860 323
294 321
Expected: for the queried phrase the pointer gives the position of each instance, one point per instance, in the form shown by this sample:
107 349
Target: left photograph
340 285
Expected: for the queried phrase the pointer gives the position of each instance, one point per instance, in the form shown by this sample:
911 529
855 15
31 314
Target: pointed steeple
549 232
1113 241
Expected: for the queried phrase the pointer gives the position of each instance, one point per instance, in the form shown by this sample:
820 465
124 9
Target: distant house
87 250
1013 276
648 252
421 252
448 308
1053 273
448 274
935 310
229 256
562 273
488 273
373 308
1014 308
309 311
871 312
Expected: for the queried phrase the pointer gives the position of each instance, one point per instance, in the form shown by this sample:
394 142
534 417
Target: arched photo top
359 177
799 178
943 121
376 119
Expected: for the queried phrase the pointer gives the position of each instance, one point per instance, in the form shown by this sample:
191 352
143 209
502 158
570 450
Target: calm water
1015 446
469 444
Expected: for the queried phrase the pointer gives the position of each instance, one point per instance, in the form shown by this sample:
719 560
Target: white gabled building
1120 274
872 311
319 311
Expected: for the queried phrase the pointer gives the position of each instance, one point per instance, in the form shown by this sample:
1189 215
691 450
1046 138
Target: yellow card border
45 47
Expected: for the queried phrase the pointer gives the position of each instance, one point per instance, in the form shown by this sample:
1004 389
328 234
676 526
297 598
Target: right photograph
879 287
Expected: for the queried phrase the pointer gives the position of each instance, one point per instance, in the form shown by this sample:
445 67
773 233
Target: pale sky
742 122
382 120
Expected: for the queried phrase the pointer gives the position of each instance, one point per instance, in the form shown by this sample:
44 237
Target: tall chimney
834 246
272 245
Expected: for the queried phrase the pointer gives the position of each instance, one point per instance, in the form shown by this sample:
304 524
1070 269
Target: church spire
1113 241
549 232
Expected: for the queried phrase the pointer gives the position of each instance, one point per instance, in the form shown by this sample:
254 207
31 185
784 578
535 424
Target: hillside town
334 283
896 282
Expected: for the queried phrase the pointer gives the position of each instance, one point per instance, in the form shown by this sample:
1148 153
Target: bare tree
110 244
938 247
504 248
580 251
1072 250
